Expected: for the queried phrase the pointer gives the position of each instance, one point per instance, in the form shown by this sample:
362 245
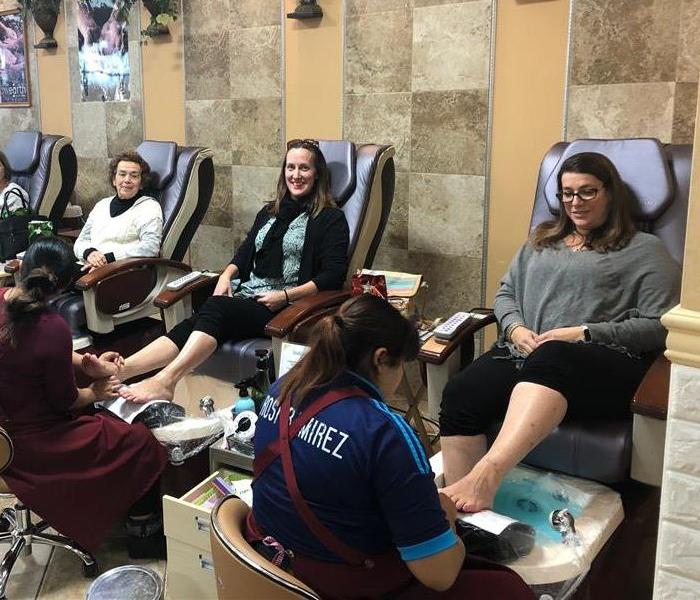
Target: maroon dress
81 474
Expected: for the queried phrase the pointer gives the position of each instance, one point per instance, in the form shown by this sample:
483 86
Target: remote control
181 282
450 328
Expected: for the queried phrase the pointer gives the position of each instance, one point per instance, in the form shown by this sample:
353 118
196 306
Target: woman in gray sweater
579 319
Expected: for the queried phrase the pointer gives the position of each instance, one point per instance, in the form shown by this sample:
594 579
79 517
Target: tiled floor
57 574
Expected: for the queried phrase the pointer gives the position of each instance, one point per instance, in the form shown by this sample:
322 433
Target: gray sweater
619 295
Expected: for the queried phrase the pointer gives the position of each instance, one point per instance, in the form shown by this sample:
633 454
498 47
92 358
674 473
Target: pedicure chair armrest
309 308
125 265
439 362
12 266
435 354
124 290
168 298
651 398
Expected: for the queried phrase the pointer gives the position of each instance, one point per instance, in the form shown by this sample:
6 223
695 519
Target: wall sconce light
306 9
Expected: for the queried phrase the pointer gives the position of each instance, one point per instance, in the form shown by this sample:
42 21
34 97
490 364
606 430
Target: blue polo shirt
363 472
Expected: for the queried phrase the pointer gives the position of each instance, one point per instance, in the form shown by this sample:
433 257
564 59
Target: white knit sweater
135 232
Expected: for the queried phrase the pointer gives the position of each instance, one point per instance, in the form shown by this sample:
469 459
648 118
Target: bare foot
476 490
149 389
97 368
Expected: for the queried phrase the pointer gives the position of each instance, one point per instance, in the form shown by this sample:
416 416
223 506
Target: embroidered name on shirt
315 433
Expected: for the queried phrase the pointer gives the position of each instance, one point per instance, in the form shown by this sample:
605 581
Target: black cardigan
324 258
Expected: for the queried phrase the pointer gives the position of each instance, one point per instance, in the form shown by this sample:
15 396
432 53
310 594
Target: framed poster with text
14 68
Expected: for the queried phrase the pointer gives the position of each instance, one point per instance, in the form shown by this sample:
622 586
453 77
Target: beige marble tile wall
634 69
417 76
233 104
102 129
15 119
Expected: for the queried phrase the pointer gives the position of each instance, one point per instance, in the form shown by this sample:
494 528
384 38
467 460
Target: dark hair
6 166
321 196
134 157
618 228
347 340
46 269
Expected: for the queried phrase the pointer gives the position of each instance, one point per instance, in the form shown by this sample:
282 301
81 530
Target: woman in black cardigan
297 247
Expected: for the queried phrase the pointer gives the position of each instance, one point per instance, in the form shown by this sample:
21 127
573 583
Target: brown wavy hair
618 228
321 196
134 157
347 340
46 269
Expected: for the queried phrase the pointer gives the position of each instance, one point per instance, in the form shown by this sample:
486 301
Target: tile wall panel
417 76
630 62
102 130
233 104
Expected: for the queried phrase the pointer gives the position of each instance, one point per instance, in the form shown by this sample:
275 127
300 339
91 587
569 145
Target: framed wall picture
14 68
103 51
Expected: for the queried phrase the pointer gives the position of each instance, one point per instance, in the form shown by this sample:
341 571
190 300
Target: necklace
576 243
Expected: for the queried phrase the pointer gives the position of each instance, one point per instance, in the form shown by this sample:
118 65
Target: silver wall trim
343 35
283 76
487 163
567 71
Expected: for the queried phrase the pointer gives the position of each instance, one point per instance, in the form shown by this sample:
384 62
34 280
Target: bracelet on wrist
286 296
508 335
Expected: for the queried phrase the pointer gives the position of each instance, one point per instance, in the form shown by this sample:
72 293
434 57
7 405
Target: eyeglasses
584 194
302 143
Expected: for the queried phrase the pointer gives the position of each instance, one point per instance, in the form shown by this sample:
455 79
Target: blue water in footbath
531 498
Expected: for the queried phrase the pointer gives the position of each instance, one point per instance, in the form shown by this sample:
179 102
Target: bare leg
460 453
156 355
533 412
198 348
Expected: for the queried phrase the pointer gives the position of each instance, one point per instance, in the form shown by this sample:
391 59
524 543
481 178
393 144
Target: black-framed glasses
584 194
301 143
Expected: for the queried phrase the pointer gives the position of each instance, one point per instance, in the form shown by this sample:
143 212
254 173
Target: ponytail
347 341
322 363
46 270
28 298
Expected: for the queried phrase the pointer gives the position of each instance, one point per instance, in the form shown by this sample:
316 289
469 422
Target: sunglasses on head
302 143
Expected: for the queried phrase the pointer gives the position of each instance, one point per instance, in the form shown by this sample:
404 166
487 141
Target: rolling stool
19 531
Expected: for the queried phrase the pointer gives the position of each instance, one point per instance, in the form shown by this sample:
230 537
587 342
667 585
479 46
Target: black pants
148 504
596 381
224 318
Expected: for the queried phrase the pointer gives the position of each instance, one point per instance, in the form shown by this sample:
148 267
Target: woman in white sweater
125 225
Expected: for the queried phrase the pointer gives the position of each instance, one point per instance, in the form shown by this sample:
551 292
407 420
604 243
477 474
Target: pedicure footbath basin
530 495
182 436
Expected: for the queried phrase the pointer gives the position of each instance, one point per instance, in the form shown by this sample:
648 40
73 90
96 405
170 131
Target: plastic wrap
240 431
185 437
530 496
562 521
549 503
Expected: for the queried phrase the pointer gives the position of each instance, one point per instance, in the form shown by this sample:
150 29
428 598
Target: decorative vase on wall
46 20
154 28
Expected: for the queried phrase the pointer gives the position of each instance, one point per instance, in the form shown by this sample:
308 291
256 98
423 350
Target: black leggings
147 504
596 381
224 318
